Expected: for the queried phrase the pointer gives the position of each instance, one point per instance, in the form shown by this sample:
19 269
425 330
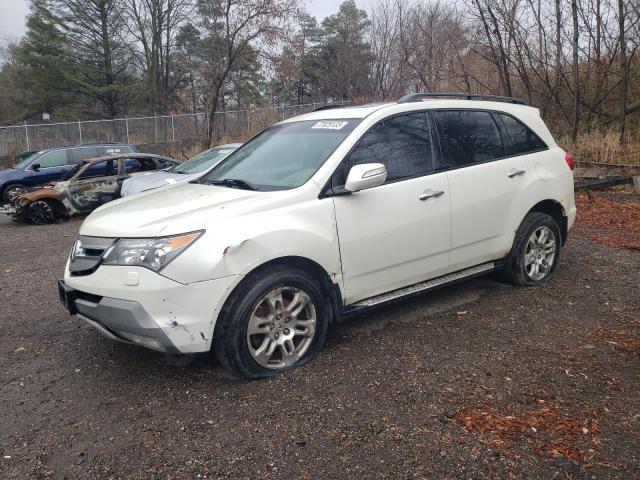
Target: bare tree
233 31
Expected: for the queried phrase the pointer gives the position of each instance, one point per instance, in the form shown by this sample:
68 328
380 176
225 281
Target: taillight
569 159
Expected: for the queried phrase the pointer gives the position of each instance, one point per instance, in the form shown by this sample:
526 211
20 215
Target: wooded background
576 60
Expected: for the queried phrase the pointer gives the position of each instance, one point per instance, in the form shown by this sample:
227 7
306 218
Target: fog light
148 342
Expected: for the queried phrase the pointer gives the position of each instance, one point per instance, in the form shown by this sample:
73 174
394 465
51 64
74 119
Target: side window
99 169
402 144
523 140
165 164
57 158
468 136
133 165
78 155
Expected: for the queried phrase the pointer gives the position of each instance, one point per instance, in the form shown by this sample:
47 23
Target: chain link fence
145 130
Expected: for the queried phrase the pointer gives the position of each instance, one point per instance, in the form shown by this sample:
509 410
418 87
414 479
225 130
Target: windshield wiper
232 183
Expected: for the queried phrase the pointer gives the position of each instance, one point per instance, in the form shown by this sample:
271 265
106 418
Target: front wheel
275 322
536 248
11 191
41 212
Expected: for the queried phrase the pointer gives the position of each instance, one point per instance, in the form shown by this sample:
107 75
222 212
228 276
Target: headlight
152 253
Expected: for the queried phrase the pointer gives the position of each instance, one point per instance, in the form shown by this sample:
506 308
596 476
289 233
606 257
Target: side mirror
365 176
35 167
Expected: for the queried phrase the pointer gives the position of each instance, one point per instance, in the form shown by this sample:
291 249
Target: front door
96 185
398 233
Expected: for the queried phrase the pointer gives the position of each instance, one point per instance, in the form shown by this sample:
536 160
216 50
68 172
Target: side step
424 286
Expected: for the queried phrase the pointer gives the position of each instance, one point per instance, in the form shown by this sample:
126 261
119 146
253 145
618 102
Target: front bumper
136 305
8 209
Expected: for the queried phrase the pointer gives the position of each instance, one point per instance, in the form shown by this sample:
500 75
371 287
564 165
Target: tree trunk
576 77
624 70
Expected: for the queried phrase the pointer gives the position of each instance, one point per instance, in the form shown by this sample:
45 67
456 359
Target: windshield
283 156
203 161
26 161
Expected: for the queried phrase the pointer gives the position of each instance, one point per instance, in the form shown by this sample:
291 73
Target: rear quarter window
523 140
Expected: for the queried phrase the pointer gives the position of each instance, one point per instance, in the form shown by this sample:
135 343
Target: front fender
306 229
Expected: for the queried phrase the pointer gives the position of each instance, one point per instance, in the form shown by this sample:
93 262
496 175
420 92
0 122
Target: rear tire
272 323
533 259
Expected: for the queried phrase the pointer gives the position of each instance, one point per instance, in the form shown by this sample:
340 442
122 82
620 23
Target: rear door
490 188
398 233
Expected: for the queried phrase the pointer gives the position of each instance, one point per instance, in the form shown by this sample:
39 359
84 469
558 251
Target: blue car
52 164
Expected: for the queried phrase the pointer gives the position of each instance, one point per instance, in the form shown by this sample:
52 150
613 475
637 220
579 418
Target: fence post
173 129
26 131
126 124
80 130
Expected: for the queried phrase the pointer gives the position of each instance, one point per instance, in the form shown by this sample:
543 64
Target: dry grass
603 146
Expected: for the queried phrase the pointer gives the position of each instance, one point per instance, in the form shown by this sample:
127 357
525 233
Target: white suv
320 216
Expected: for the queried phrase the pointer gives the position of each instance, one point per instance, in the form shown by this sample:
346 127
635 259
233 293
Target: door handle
516 173
427 194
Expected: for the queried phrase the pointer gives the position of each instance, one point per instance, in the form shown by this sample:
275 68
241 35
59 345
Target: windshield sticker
330 124
225 151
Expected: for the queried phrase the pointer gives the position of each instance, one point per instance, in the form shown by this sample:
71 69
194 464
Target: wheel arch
556 211
328 284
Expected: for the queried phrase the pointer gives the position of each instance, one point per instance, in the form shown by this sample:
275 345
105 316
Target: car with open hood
90 184
320 217
185 172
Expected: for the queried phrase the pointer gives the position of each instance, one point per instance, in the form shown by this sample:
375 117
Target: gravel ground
477 380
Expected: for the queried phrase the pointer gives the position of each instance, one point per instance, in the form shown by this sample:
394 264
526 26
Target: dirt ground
477 380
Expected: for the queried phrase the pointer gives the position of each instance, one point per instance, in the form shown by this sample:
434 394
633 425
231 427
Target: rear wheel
536 248
41 212
275 322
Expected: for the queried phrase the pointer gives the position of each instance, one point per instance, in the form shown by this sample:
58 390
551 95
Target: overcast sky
13 14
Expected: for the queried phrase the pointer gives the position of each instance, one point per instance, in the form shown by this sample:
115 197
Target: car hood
172 210
149 181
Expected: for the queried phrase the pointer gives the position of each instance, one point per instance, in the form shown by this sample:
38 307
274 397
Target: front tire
41 213
10 191
273 323
533 259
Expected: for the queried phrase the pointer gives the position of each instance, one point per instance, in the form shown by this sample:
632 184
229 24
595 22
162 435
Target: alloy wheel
540 253
281 327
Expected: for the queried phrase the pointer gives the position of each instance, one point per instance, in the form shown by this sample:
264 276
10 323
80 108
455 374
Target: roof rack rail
330 106
416 97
